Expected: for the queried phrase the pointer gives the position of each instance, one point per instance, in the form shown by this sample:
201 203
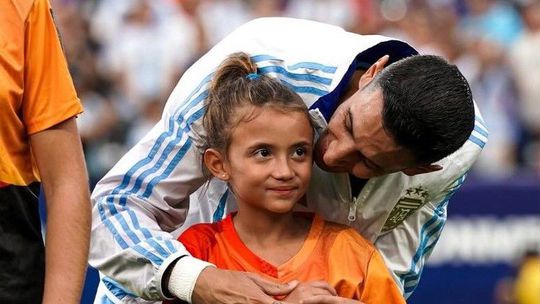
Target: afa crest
413 199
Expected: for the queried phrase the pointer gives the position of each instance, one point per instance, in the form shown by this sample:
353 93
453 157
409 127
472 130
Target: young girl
260 140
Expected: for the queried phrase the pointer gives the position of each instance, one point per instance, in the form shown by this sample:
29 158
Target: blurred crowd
126 56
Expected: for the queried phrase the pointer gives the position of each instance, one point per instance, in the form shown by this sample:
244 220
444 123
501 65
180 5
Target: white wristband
184 276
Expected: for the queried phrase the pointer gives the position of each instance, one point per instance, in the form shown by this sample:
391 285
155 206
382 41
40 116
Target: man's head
404 118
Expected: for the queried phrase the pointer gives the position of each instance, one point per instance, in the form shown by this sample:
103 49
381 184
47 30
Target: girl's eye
262 153
300 151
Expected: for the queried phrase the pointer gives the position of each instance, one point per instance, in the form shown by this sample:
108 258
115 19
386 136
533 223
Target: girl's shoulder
343 235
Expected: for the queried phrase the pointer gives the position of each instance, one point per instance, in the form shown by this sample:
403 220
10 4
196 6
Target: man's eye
347 121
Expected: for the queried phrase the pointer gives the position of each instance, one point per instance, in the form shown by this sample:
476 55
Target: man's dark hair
428 106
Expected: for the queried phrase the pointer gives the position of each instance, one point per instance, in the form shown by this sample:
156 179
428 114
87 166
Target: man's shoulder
287 22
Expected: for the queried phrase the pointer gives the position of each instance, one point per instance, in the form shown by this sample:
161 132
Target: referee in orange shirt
39 141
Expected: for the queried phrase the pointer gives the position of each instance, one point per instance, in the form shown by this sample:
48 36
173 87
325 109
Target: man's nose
341 153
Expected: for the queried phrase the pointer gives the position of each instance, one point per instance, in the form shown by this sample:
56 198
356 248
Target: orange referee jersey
331 252
36 90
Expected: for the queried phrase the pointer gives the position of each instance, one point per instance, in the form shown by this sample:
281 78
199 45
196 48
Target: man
385 127
39 141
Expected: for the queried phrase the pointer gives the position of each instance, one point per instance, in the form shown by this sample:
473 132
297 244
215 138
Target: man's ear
373 70
421 169
215 162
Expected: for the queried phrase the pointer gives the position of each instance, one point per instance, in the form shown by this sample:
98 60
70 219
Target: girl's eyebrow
302 143
259 145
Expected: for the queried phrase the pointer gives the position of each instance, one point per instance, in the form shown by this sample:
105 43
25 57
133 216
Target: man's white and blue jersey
156 190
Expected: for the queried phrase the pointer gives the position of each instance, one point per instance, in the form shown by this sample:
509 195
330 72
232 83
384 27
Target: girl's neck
264 225
274 237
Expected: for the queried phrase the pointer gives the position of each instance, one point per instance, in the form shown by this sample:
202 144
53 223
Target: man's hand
225 286
310 289
327 299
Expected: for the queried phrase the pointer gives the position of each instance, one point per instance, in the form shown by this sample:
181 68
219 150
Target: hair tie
253 76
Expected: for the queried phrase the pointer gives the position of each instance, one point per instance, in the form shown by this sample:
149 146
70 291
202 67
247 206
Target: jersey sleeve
361 273
146 196
198 239
49 94
142 200
378 286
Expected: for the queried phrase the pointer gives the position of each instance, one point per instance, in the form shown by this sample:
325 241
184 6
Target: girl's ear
215 162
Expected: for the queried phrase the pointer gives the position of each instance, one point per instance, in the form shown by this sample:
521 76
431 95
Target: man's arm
147 194
225 286
59 157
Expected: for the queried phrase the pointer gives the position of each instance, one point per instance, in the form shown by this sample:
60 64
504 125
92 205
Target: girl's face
268 163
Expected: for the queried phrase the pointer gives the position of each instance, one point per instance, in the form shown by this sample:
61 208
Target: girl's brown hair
236 84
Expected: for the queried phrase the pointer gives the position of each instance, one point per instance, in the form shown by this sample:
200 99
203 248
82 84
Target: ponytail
237 84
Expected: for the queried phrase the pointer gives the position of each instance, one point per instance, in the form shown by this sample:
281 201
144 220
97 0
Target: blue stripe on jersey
411 285
170 246
477 141
478 123
304 89
105 300
328 103
116 289
110 226
300 77
480 120
423 245
308 65
170 146
410 280
160 250
147 254
122 222
155 148
479 126
135 221
218 214
126 180
176 159
428 230
481 131
127 177
120 219
314 66
123 200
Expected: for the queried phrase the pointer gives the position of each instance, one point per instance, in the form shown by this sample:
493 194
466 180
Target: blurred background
126 56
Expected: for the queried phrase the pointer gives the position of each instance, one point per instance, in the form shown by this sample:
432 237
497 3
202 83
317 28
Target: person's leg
22 252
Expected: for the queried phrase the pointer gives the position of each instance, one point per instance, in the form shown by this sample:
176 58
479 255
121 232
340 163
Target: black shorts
22 252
